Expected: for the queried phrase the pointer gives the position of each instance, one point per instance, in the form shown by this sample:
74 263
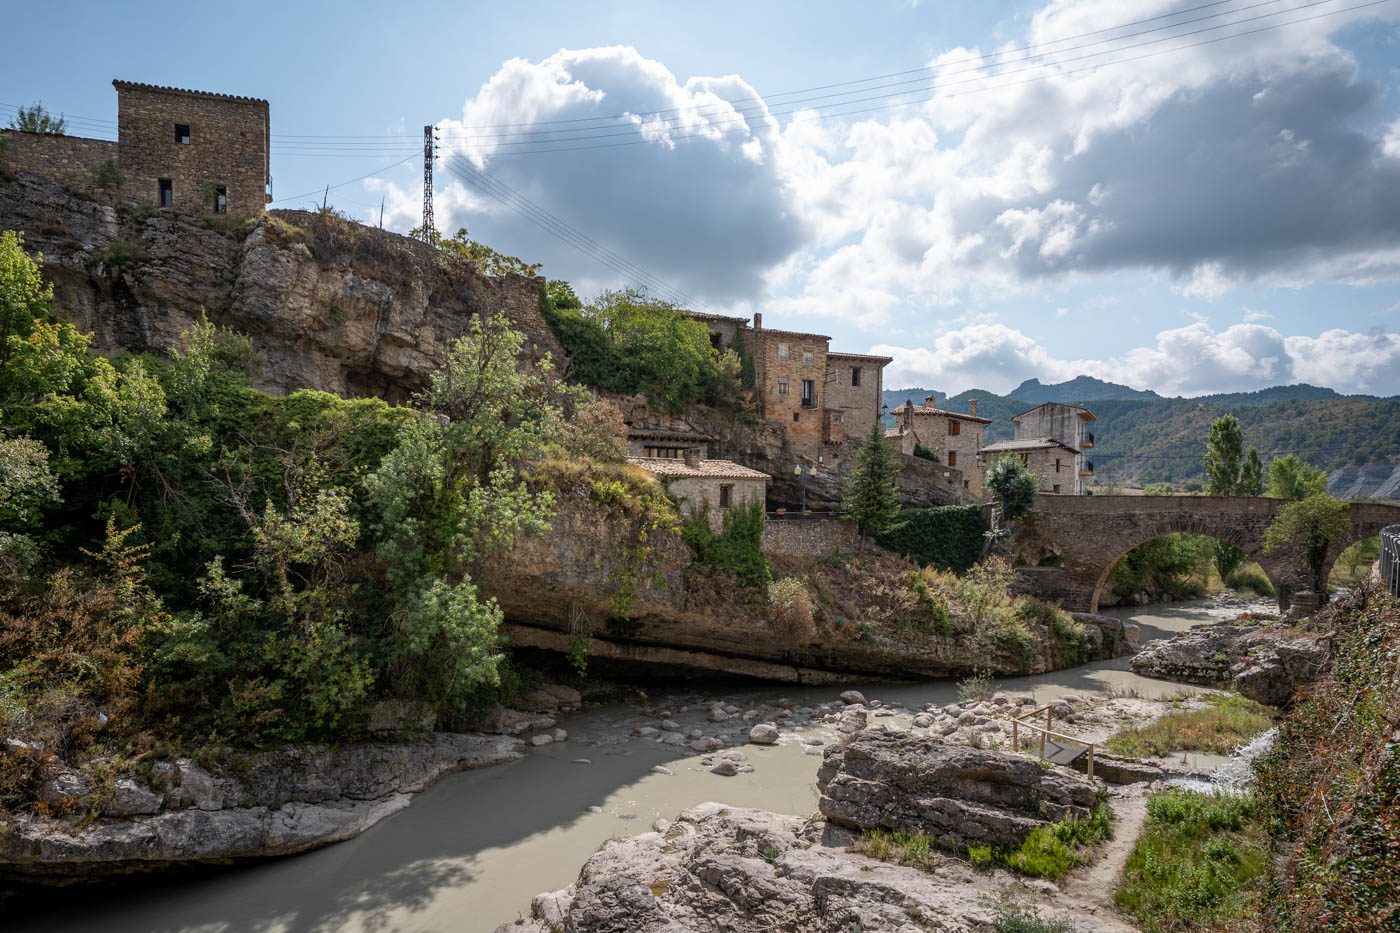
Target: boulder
725 768
955 793
853 696
765 733
1256 661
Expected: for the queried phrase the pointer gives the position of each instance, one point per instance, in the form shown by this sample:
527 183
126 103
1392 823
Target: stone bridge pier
1067 546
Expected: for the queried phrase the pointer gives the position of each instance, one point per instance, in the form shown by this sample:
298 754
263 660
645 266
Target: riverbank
482 843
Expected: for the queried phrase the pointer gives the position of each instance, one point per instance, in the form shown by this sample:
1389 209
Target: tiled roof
924 410
705 316
893 432
1028 443
137 85
718 469
789 333
860 356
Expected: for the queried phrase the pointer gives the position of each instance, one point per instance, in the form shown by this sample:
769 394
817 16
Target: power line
378 171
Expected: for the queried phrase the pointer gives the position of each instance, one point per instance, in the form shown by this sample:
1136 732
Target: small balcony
809 403
1087 469
1088 440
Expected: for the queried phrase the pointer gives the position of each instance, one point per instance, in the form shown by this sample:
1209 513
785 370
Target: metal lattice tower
429 228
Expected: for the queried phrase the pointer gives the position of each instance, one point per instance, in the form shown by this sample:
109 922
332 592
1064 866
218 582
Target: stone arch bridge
1067 546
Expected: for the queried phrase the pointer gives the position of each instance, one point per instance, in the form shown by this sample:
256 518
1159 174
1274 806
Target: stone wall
1086 535
1055 467
859 405
228 146
806 359
72 159
795 537
935 431
695 491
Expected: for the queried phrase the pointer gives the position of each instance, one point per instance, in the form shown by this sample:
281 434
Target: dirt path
1091 892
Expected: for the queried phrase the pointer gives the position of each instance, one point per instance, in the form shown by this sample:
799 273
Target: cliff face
332 304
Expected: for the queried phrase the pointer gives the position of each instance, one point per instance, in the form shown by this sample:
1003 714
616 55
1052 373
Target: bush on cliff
737 547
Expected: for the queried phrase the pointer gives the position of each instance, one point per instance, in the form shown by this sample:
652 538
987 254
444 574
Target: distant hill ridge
1144 437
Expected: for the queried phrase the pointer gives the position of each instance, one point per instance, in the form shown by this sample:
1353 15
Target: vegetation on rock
1223 725
951 537
1013 485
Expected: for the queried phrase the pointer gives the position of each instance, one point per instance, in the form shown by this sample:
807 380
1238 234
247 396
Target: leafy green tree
562 295
748 375
1311 525
456 489
925 453
1013 485
871 497
1292 478
1224 450
1251 474
24 298
36 119
485 259
26 487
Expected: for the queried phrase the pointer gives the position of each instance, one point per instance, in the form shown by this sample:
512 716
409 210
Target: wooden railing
1046 732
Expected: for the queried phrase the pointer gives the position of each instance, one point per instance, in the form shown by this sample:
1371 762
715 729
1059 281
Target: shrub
1013 485
1226 723
738 547
1015 913
1013 637
976 688
925 453
1051 850
950 537
790 610
1250 580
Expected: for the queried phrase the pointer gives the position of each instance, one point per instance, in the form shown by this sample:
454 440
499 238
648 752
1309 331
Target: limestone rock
765 733
966 795
853 696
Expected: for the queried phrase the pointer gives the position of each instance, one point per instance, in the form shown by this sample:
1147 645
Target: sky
1178 195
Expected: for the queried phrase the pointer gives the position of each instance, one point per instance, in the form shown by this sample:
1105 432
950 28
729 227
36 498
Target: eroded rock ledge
1263 663
265 804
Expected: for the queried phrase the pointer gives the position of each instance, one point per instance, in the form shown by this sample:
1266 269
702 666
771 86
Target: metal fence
1390 558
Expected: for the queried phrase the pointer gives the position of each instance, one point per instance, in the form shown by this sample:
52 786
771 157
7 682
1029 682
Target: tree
485 259
1013 485
24 298
1158 489
1224 448
1251 474
1291 478
1311 525
36 119
871 497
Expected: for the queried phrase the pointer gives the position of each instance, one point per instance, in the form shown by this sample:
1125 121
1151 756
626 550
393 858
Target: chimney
972 407
930 401
758 320
692 457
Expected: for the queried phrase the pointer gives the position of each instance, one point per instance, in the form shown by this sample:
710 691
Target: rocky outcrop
331 304
957 794
263 804
751 871
1260 662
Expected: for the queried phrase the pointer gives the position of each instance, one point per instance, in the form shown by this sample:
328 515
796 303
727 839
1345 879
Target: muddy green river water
472 850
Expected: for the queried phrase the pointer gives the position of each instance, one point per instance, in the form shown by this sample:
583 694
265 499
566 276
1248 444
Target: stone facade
790 374
797 537
1055 466
1086 535
1051 440
719 484
657 443
723 329
71 159
855 388
192 140
954 436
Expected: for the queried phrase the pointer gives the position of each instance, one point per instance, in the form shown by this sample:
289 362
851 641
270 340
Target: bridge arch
1090 533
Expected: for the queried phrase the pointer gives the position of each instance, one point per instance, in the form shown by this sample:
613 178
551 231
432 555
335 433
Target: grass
1250 579
914 849
1050 851
1016 913
1195 865
1226 723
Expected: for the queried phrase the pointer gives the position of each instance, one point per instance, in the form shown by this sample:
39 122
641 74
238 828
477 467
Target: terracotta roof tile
718 469
137 85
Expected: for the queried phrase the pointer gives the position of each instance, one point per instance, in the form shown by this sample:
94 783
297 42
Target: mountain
1077 390
1280 394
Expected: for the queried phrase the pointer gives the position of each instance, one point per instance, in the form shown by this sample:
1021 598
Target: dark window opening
182 133
952 458
220 199
1057 464
726 495
715 341
1057 489
167 193
797 416
809 391
855 377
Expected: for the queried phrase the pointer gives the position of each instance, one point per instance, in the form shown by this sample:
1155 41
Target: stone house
194 151
821 398
954 436
661 444
1051 439
696 483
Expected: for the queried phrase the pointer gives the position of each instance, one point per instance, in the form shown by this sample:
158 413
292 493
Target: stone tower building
192 150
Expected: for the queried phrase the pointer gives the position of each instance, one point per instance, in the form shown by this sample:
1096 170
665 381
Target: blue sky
1208 218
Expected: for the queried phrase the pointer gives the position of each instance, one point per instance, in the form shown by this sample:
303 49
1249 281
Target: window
1057 466
855 377
836 418
967 484
782 385
952 458
954 427
806 354
182 133
715 341
726 495
220 199
782 352
1057 489
167 193
797 416
809 391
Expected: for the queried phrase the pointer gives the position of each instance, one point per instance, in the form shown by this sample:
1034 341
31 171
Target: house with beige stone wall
1051 440
177 149
719 485
954 436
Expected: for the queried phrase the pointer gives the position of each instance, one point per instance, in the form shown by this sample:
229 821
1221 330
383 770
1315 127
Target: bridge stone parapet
1066 547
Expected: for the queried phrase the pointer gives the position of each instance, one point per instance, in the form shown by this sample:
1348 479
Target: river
473 849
